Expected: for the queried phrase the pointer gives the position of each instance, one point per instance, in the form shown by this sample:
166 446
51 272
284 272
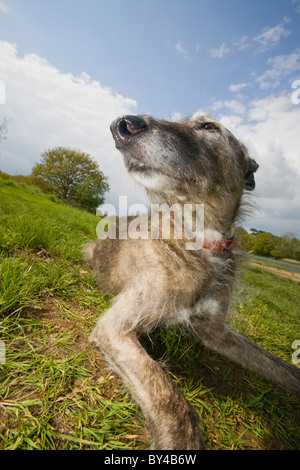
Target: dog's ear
249 176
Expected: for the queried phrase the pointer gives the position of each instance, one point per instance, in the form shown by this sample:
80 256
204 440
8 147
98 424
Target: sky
68 68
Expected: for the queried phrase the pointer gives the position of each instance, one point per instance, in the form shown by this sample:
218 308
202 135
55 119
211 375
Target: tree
266 244
244 238
263 243
72 175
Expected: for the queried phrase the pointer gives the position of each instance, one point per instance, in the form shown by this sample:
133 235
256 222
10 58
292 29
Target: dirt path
280 272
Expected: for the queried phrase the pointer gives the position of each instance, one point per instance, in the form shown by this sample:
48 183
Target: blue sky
72 66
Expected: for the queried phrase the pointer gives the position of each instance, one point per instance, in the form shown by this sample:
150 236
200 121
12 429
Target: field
56 391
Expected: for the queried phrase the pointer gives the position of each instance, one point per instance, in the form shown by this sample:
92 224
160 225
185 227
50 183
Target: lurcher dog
182 278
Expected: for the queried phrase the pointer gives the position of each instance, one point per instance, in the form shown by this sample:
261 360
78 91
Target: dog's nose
127 126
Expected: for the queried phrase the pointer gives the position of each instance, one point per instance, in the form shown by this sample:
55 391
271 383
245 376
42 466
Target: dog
184 278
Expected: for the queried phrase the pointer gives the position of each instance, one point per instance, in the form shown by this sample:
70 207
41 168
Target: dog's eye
209 126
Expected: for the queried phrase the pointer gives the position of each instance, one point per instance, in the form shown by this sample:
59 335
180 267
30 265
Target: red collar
221 245
217 246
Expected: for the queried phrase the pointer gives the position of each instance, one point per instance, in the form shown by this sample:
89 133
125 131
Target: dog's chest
207 306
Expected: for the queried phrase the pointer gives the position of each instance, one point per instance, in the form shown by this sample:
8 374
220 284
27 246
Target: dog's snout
127 126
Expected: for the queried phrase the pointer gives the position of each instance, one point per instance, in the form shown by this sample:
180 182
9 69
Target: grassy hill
56 391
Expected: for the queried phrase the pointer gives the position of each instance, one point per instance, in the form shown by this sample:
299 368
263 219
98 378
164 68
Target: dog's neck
212 239
211 226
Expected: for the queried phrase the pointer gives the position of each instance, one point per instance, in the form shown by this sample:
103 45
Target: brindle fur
160 282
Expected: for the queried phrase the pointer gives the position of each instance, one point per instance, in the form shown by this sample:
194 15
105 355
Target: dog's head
196 156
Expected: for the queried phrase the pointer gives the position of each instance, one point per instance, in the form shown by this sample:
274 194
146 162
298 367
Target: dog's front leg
172 421
218 337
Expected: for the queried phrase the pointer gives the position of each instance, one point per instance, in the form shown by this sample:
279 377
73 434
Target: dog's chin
144 174
134 165
150 179
155 179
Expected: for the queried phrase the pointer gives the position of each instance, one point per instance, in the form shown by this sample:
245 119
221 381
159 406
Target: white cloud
242 43
179 48
233 106
219 53
268 38
281 67
237 87
271 36
297 5
47 108
270 130
4 8
176 116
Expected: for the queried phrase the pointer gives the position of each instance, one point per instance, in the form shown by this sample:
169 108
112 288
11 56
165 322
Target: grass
56 391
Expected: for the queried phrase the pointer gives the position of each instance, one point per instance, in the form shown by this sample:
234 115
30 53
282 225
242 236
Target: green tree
263 243
266 244
244 238
296 249
72 175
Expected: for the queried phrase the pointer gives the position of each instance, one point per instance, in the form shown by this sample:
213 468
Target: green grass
56 391
271 312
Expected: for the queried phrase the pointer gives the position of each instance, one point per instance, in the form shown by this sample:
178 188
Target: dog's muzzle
126 128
